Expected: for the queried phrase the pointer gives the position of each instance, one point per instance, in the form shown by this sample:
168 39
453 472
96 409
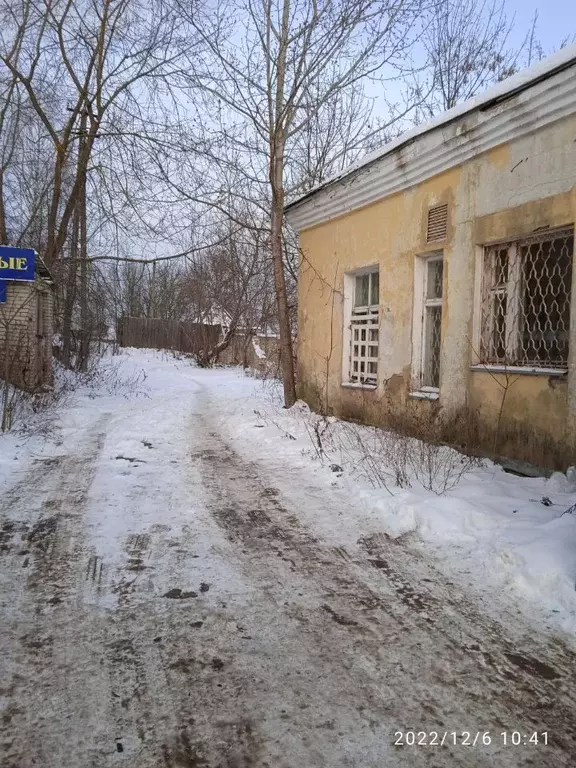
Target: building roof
42 270
497 95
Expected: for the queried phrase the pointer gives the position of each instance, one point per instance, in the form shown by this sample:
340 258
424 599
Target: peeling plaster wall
506 192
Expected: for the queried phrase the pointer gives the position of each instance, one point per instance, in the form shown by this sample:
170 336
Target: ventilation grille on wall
437 223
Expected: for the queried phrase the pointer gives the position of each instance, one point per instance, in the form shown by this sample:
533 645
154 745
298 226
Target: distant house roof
42 270
554 100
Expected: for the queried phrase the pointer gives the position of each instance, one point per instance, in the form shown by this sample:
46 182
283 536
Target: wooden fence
155 333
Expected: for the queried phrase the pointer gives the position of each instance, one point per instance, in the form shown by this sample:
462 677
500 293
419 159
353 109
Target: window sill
520 370
424 395
357 385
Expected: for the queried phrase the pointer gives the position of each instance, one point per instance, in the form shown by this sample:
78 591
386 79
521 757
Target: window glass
375 289
363 324
432 350
434 279
362 290
431 321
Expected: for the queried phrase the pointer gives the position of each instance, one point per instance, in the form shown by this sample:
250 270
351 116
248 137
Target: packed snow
186 579
503 535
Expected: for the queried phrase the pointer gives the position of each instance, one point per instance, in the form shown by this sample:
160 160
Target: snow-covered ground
492 530
184 582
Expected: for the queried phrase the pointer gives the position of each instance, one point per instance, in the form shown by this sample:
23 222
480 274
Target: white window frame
420 390
512 290
367 317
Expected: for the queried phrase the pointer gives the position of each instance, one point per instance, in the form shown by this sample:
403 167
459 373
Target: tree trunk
50 253
70 295
3 231
84 351
277 219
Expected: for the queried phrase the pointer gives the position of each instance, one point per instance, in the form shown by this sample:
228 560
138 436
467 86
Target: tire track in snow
436 659
49 504
292 653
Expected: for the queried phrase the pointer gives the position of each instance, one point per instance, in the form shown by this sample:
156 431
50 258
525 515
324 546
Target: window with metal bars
526 291
432 321
364 329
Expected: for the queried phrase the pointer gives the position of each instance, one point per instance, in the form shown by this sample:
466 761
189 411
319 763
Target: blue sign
17 263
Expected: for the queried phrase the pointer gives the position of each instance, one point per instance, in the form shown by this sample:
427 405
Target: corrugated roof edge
508 88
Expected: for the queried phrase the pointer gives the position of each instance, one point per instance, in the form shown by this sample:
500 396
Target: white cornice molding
441 148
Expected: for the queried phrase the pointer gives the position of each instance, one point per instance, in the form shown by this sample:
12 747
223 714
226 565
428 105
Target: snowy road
165 601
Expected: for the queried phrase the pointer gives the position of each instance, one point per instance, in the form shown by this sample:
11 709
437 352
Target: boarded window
437 223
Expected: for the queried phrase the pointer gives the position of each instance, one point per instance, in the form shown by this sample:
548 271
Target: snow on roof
542 70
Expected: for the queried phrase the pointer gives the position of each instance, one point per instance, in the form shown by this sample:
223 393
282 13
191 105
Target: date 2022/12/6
469 738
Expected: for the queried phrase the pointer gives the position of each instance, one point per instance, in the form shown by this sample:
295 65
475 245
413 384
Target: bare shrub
33 413
38 413
317 429
386 458
269 385
437 467
371 453
106 377
419 445
266 370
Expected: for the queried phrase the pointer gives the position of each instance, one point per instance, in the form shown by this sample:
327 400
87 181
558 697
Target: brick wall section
26 330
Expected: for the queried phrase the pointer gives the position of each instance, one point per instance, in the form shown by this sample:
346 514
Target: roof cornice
506 115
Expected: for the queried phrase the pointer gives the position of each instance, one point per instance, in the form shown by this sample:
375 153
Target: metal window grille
432 321
526 291
364 329
437 223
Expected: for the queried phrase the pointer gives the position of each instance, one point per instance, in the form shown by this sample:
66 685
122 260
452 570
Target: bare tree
271 69
229 286
91 78
466 42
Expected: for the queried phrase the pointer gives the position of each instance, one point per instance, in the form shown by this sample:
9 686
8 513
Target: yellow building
436 276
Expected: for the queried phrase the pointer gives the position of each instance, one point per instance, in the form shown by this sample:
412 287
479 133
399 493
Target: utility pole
152 293
84 351
70 295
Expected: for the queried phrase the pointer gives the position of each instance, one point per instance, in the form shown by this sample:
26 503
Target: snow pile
41 422
260 354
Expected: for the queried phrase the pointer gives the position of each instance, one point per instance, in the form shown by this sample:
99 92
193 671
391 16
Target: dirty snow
492 530
183 584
